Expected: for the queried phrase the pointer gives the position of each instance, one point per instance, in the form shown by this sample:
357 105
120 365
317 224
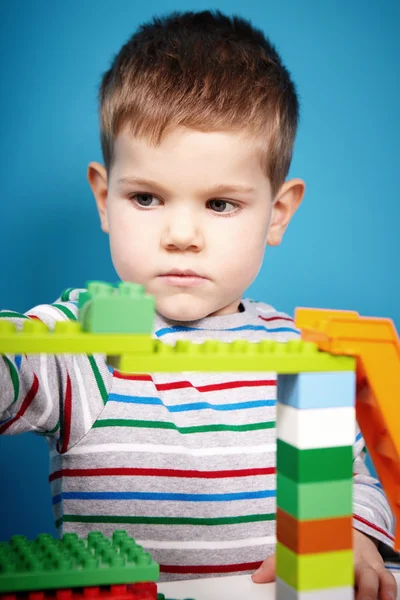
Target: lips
184 273
183 278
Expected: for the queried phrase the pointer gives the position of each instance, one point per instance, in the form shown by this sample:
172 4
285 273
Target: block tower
315 431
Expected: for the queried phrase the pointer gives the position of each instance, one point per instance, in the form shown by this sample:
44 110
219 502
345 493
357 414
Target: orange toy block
314 536
376 346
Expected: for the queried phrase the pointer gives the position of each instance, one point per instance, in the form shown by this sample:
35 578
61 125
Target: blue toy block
317 390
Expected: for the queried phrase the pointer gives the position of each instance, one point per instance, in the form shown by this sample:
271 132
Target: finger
265 573
367 582
387 585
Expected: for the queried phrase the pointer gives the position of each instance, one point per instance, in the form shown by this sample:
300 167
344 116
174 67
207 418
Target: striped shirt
184 462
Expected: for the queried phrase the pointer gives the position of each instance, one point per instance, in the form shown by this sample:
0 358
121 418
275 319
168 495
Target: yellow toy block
291 357
69 338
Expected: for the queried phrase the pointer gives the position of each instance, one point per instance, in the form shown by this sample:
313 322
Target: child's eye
145 200
220 206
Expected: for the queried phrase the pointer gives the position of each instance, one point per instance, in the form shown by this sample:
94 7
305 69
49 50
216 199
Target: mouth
185 278
179 273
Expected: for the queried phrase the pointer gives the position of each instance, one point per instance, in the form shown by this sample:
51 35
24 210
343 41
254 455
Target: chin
188 309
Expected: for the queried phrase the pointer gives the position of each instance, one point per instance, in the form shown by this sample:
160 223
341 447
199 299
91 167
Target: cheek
243 248
245 263
129 245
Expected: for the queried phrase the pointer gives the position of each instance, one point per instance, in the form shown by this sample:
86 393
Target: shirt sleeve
371 511
52 395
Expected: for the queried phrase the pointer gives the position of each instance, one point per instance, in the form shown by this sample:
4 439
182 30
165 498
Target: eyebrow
218 189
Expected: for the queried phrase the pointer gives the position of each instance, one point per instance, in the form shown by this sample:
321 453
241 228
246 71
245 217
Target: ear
97 177
285 205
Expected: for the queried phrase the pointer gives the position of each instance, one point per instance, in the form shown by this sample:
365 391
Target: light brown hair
206 71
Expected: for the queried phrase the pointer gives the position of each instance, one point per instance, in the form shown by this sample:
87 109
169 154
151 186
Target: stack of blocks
316 432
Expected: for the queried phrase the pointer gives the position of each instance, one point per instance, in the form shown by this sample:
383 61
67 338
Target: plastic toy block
314 571
136 591
141 354
143 590
318 390
70 562
316 464
306 501
125 308
67 337
316 427
213 356
335 329
376 345
314 536
286 592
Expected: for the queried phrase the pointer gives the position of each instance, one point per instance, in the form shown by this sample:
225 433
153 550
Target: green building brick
318 500
49 563
125 308
314 464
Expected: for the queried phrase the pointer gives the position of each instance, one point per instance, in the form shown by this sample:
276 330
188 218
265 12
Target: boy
198 120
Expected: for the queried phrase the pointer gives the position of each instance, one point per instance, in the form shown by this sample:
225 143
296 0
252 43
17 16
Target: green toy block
315 464
314 571
294 356
319 500
125 308
48 563
68 337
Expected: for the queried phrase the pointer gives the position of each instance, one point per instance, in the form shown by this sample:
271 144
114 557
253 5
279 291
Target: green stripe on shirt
10 314
99 380
67 312
183 430
66 294
165 520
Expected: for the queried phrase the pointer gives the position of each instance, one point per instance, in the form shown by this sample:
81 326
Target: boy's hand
373 581
266 572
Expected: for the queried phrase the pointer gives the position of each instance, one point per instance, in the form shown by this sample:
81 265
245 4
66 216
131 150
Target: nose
182 231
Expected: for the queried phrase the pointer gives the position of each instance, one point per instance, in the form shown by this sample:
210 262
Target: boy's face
199 202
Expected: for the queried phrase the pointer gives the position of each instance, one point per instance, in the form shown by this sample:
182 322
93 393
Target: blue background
342 249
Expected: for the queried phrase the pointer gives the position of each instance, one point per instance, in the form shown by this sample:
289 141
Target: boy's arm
371 511
55 395
25 404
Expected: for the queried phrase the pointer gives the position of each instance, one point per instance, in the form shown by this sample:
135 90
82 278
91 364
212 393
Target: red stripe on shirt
275 319
210 568
67 416
228 385
24 406
176 385
132 376
129 472
375 527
